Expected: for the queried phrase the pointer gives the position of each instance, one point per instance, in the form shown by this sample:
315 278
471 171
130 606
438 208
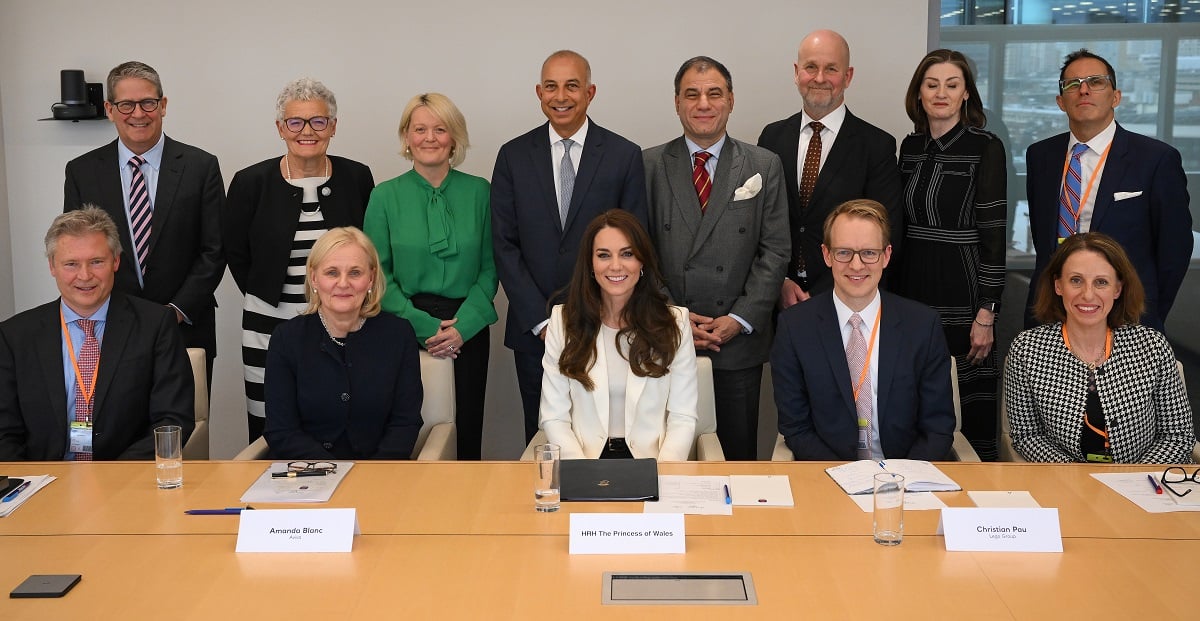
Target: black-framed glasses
126 106
1095 83
1176 475
306 469
296 124
866 255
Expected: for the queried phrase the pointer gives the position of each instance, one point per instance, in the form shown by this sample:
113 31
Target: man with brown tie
829 156
90 375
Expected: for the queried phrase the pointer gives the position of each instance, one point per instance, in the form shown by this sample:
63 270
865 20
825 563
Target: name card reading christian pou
627 533
297 530
1001 530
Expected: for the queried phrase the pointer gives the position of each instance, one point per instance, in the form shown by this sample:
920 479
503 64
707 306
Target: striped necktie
140 212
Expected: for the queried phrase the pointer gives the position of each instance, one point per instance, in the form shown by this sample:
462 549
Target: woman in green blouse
432 226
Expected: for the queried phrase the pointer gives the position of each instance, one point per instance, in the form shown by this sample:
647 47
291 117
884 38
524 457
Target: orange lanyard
1108 339
1083 199
862 376
88 391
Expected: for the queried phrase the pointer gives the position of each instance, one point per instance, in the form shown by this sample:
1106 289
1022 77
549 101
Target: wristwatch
994 307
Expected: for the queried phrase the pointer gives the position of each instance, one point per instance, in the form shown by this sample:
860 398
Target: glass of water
545 487
889 508
168 456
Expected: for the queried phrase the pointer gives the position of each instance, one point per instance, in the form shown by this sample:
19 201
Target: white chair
437 439
197 444
707 447
960 449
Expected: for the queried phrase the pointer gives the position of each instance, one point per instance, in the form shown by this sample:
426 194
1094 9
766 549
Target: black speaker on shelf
74 104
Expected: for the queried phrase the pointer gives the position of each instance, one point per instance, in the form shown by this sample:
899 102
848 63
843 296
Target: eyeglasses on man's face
296 124
867 255
1177 476
127 106
1095 83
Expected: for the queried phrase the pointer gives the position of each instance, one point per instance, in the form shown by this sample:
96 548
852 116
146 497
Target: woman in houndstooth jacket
1091 384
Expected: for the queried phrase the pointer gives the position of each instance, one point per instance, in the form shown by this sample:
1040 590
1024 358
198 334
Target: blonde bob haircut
446 112
327 243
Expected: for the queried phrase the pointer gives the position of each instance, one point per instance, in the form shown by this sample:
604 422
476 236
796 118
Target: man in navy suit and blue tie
547 186
859 373
1101 177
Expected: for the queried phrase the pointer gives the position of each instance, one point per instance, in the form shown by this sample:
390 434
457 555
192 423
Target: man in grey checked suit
721 231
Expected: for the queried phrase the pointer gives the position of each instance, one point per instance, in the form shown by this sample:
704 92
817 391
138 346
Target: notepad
36 482
858 477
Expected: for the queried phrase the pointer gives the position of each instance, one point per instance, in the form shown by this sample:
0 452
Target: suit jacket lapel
50 345
634 386
888 354
839 156
589 162
599 375
108 180
117 330
830 332
542 164
169 174
728 178
1114 168
790 157
678 163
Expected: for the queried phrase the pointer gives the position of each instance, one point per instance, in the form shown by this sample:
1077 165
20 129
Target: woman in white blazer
620 370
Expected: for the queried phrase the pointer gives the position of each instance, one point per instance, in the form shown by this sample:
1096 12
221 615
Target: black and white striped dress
260 318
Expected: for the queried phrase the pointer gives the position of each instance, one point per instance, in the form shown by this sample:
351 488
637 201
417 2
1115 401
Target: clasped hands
447 342
712 332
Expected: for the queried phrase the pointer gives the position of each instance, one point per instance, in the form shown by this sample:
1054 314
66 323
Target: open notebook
858 477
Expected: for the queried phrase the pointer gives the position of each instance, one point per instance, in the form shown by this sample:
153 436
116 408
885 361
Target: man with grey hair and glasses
91 374
165 198
1104 178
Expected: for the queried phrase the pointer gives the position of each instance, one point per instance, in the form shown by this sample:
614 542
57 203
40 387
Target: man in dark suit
1123 184
849 159
547 187
718 218
166 205
860 374
89 376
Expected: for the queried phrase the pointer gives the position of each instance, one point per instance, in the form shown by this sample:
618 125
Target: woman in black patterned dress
955 177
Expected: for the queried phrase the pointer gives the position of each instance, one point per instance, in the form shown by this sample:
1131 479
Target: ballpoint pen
728 498
291 474
16 492
226 511
1157 487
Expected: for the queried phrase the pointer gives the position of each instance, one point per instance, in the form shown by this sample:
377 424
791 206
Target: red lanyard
862 376
88 391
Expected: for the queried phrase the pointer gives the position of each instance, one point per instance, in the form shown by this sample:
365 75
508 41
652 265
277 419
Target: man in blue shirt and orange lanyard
90 375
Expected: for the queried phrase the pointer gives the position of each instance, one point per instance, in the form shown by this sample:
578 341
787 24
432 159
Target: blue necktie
1068 198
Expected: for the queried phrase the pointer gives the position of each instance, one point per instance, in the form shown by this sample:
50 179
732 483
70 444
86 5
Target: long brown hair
972 110
647 319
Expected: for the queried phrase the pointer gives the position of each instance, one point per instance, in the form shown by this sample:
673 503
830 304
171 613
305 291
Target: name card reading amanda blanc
297 530
1001 530
627 533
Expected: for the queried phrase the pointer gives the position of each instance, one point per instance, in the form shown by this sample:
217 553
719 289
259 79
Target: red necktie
89 357
701 180
139 211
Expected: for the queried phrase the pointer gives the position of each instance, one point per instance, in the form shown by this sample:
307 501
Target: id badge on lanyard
864 435
81 437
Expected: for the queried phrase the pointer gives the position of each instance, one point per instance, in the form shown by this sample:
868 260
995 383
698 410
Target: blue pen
882 465
226 511
728 498
16 492
1157 487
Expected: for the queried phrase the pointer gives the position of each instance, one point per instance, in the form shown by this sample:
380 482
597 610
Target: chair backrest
954 394
438 405
706 403
197 444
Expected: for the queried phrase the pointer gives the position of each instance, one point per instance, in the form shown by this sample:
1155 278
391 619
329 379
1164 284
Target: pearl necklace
361 321
287 163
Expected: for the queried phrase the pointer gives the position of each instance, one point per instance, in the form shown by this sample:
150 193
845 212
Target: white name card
627 533
297 530
970 529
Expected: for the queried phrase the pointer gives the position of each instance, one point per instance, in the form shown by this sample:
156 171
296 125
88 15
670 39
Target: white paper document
858 477
771 490
298 489
36 482
1138 489
692 495
994 499
913 501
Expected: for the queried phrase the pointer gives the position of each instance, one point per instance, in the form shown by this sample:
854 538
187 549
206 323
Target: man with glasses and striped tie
165 198
91 374
1103 178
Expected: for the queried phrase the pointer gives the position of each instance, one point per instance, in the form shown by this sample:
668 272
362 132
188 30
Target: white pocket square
750 189
1120 196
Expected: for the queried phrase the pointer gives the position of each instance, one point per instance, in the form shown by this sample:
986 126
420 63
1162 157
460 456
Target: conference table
461 540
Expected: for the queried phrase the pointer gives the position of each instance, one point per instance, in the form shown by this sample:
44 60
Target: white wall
223 62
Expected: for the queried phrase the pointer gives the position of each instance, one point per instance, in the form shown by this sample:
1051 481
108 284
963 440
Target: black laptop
606 480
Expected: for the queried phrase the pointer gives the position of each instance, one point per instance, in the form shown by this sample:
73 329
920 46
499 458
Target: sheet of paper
771 490
36 482
913 501
299 489
991 499
1136 488
692 495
